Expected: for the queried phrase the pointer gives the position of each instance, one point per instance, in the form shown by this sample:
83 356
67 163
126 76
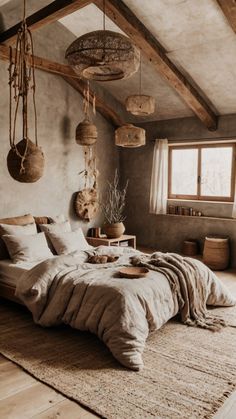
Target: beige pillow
27 248
14 230
54 228
68 242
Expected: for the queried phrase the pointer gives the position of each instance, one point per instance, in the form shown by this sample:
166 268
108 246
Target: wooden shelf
108 242
197 217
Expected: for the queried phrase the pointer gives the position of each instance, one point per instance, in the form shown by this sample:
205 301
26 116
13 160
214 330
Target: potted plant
113 208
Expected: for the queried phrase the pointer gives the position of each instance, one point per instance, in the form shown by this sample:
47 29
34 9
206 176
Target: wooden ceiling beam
126 20
48 14
229 9
41 63
70 77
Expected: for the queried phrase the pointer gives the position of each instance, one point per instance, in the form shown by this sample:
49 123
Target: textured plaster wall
59 111
167 233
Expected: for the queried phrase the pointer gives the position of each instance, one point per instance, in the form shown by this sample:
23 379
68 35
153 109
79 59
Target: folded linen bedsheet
120 311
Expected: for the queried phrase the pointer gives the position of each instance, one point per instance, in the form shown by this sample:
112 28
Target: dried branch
114 202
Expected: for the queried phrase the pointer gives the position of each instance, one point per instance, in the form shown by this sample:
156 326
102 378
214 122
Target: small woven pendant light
130 136
103 55
86 132
141 105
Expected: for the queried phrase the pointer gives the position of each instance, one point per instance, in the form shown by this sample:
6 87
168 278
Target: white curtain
234 206
159 180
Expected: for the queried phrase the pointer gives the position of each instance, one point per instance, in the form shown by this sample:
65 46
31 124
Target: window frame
200 197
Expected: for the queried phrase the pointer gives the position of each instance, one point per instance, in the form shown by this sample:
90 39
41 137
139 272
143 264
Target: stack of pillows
22 240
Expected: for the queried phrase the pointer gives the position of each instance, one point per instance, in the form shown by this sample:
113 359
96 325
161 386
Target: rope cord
21 82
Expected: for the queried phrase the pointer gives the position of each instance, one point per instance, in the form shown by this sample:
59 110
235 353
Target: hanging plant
25 160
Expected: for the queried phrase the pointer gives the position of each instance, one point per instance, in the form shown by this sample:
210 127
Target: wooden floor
23 397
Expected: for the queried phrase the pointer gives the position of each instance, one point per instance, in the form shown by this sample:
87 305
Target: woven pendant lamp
141 105
103 55
86 133
25 160
130 136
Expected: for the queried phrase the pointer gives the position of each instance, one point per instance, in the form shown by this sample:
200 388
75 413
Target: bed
68 289
9 274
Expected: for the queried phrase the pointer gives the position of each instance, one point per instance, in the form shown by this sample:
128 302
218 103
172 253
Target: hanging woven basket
141 105
27 169
130 136
103 55
86 133
86 203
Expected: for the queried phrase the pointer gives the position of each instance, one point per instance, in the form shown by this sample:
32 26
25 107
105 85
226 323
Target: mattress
11 272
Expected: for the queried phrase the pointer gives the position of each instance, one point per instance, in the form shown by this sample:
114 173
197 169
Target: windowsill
199 217
199 201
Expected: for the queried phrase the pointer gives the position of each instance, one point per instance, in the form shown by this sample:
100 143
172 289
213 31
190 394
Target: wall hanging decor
103 55
140 104
25 160
86 201
130 136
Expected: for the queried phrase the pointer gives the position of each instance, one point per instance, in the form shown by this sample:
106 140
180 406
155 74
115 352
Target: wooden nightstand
131 240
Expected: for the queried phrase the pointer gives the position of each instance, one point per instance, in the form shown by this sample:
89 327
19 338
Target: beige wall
59 111
167 233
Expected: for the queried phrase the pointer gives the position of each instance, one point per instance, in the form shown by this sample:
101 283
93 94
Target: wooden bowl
133 272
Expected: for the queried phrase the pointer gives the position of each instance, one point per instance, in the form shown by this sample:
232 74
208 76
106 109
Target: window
204 172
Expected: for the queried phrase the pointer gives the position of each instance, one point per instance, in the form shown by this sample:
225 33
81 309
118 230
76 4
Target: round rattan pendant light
141 105
130 136
25 160
103 55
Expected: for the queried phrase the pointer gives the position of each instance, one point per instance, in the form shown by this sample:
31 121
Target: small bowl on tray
133 272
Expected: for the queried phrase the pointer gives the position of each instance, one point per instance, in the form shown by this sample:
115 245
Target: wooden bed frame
8 292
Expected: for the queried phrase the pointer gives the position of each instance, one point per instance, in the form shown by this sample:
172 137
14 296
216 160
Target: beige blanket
120 311
188 281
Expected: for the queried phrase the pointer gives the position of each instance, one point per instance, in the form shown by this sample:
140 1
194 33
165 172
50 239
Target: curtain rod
184 141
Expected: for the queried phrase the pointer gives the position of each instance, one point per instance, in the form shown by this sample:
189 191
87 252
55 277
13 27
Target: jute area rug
188 372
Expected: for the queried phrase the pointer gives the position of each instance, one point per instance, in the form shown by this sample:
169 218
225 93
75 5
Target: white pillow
56 227
14 230
58 218
69 242
27 248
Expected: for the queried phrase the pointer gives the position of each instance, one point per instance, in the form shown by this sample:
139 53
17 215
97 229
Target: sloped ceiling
196 36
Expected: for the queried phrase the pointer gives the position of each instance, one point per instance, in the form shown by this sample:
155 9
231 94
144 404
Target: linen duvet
120 311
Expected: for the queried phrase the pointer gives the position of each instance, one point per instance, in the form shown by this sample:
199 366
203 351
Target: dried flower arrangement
114 202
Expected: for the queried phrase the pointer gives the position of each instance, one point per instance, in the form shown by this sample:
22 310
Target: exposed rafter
41 63
229 9
126 20
71 77
48 14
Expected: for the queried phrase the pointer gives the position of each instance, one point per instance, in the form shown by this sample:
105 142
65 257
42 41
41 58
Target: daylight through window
204 172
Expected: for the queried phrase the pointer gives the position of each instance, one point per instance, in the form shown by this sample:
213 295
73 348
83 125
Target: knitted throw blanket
188 280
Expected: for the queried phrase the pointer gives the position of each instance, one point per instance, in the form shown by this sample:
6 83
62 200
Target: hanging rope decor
86 201
25 160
